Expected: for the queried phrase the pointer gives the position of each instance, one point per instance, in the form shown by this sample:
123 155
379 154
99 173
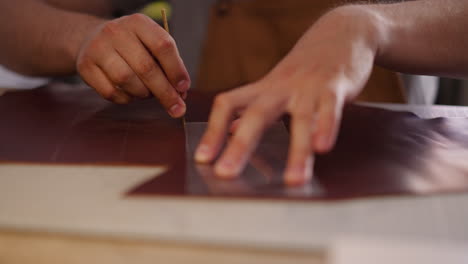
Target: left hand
326 68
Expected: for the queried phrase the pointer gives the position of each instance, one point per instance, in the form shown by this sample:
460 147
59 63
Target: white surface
426 111
90 200
421 89
13 80
371 251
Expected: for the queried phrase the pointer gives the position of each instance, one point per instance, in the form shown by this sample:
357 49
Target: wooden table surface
25 248
38 248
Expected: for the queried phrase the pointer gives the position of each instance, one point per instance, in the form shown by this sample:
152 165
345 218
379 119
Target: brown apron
247 38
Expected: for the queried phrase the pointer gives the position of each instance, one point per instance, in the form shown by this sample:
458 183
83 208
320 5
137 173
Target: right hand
328 67
133 56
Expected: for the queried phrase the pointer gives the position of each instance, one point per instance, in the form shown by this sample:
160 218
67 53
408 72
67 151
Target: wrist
365 26
77 36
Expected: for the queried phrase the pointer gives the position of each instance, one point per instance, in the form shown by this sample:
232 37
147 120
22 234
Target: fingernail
203 154
182 86
177 110
226 169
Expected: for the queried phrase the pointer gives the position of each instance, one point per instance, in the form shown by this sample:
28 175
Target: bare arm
123 58
102 8
423 37
327 68
40 39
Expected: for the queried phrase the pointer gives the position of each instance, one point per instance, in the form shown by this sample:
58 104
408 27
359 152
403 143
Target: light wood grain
34 248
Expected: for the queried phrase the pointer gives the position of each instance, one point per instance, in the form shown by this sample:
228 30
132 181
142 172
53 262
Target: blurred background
227 43
189 22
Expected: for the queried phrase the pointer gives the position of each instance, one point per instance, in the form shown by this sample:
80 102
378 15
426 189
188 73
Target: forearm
102 8
41 40
422 37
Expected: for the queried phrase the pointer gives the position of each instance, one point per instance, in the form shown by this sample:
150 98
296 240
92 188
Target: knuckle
222 101
107 94
84 64
112 28
165 44
95 46
259 111
123 77
146 68
138 18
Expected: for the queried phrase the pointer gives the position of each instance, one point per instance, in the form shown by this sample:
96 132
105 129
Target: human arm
329 67
127 57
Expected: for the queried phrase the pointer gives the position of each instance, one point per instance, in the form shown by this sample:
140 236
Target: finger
328 121
95 78
221 115
255 120
300 159
166 94
235 124
164 49
237 118
154 79
134 53
120 74
151 75
136 88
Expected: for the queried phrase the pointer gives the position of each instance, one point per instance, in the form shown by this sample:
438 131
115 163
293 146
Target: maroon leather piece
382 152
72 124
378 152
199 106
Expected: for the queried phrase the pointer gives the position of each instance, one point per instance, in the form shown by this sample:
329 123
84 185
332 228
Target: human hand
133 56
327 67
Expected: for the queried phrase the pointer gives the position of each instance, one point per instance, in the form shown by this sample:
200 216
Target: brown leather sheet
378 152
